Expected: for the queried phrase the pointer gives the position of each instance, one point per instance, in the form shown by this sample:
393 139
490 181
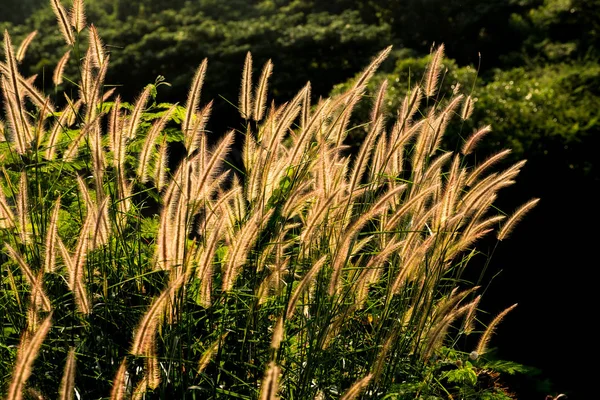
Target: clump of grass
302 273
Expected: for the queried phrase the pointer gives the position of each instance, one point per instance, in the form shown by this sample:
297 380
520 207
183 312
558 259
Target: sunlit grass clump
133 270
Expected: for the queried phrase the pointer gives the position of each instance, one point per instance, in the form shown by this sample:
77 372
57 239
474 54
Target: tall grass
132 270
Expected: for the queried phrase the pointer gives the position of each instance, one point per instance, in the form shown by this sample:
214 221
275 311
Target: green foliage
462 376
505 367
173 40
545 112
17 11
561 30
454 375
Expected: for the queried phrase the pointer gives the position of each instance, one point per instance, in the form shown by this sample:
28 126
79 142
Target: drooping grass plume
278 334
98 156
23 209
64 121
410 105
178 227
57 77
94 90
356 390
204 263
66 390
439 329
63 22
382 355
38 294
12 92
146 329
75 263
115 134
134 119
160 165
515 218
414 256
119 385
470 316
28 351
212 167
308 129
52 240
303 285
406 207
13 119
339 129
108 94
149 144
441 123
361 162
163 248
467 109
140 390
451 192
101 228
75 266
378 103
27 87
7 217
209 353
378 157
87 77
486 164
20 56
284 121
240 248
152 367
474 139
195 138
489 331
85 194
270 384
370 70
349 235
31 79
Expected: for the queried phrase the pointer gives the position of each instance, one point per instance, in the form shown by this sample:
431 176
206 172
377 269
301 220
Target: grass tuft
139 243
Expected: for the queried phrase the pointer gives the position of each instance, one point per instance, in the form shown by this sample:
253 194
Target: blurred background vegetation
532 66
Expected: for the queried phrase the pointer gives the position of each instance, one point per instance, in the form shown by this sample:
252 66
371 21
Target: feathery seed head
77 15
433 72
63 22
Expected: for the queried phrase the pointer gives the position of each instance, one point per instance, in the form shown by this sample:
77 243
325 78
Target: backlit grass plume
301 271
27 353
